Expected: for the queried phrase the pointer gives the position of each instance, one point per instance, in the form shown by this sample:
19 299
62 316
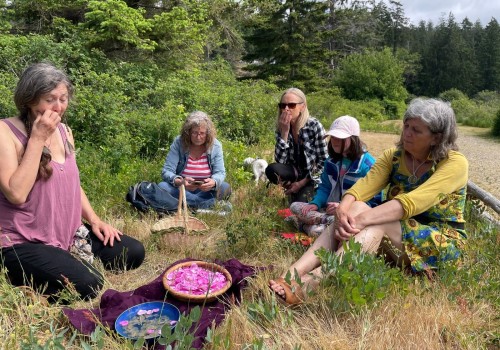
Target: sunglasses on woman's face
290 105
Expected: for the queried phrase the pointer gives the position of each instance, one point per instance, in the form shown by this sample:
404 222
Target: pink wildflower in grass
196 280
141 312
173 323
123 323
150 331
156 310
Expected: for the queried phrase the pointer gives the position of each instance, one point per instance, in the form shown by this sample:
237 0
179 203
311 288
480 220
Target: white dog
258 167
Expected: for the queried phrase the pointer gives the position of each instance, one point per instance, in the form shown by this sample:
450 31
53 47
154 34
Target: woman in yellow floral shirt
423 215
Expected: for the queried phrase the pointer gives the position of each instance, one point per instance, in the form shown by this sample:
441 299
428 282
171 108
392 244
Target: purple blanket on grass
113 303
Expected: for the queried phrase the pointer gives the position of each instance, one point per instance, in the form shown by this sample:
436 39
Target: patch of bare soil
482 152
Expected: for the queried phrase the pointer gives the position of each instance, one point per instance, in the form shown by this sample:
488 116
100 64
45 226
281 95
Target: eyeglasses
198 133
290 105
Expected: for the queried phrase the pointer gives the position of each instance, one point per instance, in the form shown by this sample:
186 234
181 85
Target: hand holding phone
198 182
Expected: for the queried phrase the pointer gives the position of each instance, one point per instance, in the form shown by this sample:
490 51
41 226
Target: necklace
46 147
413 178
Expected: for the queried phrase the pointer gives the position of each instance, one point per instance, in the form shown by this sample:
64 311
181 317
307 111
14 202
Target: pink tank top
52 212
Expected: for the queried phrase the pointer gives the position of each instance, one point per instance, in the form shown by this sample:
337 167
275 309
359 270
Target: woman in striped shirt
195 159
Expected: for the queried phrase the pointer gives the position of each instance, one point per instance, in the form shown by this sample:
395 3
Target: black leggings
278 173
48 269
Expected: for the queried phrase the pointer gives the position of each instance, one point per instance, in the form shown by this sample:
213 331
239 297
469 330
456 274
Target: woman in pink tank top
44 243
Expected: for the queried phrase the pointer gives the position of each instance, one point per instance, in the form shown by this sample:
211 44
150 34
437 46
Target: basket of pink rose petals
197 281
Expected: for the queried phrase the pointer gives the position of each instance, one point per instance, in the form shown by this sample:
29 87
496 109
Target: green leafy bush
372 75
328 105
452 95
479 111
243 111
356 279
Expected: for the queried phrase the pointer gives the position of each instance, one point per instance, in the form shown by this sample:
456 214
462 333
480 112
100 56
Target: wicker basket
181 219
198 298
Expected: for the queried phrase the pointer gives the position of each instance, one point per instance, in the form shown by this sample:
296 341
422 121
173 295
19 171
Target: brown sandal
293 293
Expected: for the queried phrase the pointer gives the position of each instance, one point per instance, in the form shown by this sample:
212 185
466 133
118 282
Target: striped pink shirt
197 168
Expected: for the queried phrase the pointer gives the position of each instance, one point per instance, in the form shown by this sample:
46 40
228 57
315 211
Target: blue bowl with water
146 320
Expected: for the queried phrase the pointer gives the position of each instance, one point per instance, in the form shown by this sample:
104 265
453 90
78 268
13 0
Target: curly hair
440 119
37 80
197 119
304 115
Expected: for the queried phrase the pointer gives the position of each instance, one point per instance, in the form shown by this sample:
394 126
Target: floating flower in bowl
197 281
147 320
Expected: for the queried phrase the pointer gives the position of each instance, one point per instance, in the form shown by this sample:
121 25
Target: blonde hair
197 119
304 115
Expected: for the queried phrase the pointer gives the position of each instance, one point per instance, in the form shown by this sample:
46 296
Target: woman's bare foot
289 293
277 288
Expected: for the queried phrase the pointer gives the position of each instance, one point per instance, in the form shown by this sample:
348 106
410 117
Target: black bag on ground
146 196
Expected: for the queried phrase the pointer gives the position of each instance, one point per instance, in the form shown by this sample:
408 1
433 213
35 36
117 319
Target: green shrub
479 111
357 279
328 105
106 174
452 95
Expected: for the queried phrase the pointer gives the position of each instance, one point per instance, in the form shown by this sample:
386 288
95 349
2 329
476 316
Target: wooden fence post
486 197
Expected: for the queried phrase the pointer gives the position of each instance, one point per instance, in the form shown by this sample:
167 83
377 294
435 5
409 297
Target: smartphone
198 182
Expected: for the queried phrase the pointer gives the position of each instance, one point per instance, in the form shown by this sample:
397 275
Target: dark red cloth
113 303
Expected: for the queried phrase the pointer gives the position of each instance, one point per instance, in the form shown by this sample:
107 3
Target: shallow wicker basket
181 219
198 298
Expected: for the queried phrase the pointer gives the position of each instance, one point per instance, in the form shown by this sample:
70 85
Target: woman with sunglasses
195 159
44 243
300 149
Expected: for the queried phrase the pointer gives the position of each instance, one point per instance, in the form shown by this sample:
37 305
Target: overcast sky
426 10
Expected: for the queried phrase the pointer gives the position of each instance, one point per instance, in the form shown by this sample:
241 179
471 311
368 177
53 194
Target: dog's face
248 161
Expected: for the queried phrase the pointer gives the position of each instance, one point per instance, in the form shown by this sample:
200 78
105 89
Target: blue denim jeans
198 199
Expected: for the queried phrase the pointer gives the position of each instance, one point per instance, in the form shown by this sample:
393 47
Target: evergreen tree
392 24
448 62
286 43
490 57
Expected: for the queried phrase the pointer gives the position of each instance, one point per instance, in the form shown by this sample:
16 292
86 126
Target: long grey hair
440 118
37 80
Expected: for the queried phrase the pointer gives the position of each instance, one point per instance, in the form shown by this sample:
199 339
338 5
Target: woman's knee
169 188
272 173
89 284
358 207
135 254
224 192
296 207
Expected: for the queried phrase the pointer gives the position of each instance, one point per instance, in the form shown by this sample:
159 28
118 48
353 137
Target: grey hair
440 119
304 115
196 119
37 80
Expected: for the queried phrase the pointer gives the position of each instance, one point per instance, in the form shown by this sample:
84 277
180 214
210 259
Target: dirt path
482 152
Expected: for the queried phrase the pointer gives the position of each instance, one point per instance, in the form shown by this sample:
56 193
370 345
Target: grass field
458 310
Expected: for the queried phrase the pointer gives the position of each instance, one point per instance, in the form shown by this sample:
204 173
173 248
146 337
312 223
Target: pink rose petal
196 280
